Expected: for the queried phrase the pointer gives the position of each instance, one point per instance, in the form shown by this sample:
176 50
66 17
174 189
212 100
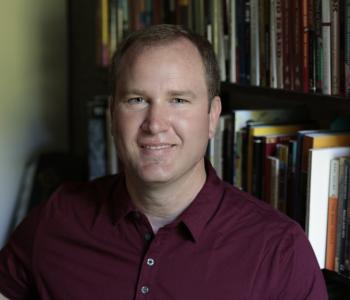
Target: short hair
163 34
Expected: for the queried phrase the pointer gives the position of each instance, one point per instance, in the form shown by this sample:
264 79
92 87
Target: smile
157 147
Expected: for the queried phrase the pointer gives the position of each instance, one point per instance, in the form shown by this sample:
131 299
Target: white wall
33 97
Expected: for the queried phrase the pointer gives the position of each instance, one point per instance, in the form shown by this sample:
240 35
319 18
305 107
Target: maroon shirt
88 242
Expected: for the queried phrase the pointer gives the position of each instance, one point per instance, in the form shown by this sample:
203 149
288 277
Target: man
167 227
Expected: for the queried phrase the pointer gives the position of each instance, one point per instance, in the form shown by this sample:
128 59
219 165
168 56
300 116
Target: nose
156 119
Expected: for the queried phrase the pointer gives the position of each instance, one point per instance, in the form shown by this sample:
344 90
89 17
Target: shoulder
248 213
72 197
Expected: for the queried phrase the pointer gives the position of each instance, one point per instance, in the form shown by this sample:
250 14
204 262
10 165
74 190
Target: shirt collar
196 215
205 204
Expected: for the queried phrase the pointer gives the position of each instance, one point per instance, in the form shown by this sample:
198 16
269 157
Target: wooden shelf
254 96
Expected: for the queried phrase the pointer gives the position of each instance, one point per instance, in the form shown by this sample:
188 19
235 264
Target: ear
214 115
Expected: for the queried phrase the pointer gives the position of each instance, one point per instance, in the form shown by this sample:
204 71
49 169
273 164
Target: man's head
162 35
160 117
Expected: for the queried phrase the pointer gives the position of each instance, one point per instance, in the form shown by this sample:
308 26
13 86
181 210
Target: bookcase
88 79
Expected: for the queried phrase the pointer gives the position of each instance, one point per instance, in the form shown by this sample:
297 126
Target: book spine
269 150
342 215
279 44
282 155
257 167
274 174
241 42
305 45
347 47
232 42
297 46
347 228
332 214
286 44
326 47
273 44
263 39
312 45
240 159
97 144
254 43
335 48
113 25
318 46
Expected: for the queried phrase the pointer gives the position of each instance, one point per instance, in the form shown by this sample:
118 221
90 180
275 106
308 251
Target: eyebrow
171 93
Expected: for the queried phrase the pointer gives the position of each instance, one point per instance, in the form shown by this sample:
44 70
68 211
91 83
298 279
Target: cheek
194 126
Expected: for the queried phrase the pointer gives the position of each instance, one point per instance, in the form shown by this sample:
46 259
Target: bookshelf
88 79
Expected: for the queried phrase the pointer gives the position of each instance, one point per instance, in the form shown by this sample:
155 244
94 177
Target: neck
162 203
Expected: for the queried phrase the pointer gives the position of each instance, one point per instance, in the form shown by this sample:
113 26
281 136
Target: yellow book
105 31
265 129
322 140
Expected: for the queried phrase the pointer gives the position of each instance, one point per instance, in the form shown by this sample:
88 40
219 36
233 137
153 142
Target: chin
154 177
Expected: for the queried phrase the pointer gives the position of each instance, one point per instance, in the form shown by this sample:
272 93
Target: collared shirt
88 242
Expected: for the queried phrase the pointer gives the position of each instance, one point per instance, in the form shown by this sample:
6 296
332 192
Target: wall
33 90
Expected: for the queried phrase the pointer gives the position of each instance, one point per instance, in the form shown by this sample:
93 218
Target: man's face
161 122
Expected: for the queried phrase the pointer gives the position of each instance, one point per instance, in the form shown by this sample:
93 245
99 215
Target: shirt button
150 262
148 236
145 290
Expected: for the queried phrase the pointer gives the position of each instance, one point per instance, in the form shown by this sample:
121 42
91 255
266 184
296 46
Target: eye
136 100
179 101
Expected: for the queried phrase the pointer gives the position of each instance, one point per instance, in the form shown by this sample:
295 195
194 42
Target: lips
156 146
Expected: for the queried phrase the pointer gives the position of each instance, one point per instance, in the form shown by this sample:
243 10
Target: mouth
157 146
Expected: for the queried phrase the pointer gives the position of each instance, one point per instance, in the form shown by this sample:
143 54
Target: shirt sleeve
300 276
16 274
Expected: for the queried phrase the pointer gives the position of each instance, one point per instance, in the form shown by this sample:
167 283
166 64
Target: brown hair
162 34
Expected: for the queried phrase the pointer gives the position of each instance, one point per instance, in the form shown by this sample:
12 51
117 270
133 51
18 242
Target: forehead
179 58
181 49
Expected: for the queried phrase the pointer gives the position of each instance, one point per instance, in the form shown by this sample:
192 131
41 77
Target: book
240 162
274 178
335 47
254 43
232 37
333 195
258 149
242 117
297 45
97 141
318 48
326 47
269 145
273 44
322 140
347 47
282 153
216 145
286 45
243 40
255 130
317 140
344 170
319 169
279 44
305 12
112 157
